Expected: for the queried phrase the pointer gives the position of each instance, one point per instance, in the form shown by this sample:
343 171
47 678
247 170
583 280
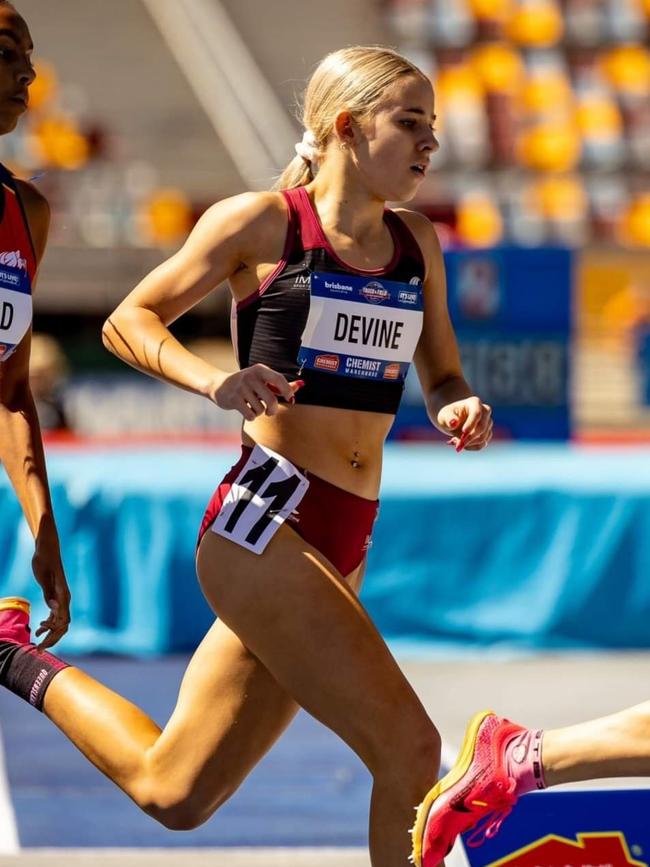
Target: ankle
28 672
523 754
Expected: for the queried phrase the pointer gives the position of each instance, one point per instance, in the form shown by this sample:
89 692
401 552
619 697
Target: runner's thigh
298 616
229 712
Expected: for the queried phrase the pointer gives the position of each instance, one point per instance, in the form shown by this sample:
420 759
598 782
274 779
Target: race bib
15 308
261 498
361 327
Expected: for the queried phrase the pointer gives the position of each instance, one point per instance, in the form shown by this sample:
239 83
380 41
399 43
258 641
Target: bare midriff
342 446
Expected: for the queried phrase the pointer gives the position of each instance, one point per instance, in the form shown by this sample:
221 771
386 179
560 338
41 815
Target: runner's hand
48 571
468 422
254 391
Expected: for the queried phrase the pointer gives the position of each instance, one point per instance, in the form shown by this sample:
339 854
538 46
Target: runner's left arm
451 404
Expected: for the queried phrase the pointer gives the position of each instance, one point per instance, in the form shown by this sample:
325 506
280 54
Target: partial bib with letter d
15 308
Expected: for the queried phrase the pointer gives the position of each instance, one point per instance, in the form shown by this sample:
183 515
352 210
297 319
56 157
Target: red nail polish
299 383
453 422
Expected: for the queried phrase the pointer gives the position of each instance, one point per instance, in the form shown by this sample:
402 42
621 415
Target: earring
343 145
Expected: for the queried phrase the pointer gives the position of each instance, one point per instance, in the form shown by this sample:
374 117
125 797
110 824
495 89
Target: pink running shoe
14 620
476 793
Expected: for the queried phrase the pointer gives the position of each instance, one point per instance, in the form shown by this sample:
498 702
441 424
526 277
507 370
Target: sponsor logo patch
340 288
8 277
375 292
327 362
408 297
361 367
13 259
392 371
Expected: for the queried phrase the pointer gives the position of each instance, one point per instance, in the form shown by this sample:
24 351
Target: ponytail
297 174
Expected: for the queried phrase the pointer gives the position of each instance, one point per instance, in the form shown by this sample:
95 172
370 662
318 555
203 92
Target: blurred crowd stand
544 117
98 198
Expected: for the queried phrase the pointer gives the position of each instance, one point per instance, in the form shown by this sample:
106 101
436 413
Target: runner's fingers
473 420
284 389
264 377
296 384
57 619
479 440
275 390
246 411
264 393
475 442
54 636
253 402
46 625
479 443
480 432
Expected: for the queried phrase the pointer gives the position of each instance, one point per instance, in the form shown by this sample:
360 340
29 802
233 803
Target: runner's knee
180 810
412 751
426 743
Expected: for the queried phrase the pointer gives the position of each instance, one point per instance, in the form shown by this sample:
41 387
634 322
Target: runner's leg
229 713
612 746
319 644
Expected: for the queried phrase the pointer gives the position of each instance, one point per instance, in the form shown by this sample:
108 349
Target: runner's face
399 140
16 70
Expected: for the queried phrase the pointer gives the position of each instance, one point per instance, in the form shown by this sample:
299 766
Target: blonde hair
354 79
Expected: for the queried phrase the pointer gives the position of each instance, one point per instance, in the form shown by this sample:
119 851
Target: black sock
28 672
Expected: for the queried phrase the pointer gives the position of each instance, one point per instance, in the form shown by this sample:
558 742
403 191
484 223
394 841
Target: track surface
310 791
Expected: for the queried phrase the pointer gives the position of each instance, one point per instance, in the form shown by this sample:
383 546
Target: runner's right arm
226 237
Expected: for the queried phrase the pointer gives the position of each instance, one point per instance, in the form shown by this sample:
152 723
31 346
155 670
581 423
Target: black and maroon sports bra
349 334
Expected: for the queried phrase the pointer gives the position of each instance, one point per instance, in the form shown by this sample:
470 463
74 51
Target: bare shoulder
425 234
37 209
260 213
422 228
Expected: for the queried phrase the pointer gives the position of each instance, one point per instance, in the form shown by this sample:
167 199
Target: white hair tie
308 147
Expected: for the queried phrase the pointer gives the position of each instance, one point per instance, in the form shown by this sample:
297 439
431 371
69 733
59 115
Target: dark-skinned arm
21 451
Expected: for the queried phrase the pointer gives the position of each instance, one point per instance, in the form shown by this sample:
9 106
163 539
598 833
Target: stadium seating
545 107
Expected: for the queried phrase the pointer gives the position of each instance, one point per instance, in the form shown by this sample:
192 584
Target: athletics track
310 791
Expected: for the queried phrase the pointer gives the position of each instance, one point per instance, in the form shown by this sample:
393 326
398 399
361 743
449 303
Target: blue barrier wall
512 314
527 546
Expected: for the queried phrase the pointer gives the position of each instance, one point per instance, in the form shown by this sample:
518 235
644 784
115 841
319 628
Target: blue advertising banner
511 309
572 829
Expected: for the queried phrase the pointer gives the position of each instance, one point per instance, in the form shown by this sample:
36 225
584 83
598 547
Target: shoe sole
455 774
15 603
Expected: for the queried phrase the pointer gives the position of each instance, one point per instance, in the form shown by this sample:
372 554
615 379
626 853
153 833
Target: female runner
334 294
24 223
